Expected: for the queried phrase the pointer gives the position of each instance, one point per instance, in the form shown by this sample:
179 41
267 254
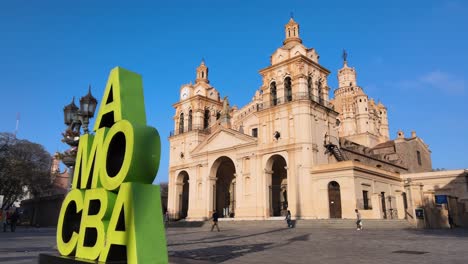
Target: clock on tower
184 93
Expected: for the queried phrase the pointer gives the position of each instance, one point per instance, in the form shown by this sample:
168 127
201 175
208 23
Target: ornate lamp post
75 118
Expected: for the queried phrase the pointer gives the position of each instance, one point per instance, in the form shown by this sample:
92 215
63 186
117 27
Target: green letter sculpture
113 212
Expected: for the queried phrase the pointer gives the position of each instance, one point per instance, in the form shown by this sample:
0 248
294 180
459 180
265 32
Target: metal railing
294 97
196 128
261 106
392 213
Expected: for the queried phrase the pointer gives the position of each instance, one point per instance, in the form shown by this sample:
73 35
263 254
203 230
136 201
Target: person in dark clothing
13 220
4 220
359 220
450 220
215 220
288 219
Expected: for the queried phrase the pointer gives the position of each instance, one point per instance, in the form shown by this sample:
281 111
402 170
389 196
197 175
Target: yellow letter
98 205
123 99
87 160
67 228
136 224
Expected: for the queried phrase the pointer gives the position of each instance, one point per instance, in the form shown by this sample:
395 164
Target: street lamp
75 118
87 107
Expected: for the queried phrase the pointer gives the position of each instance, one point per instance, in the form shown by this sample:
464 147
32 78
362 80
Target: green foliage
24 167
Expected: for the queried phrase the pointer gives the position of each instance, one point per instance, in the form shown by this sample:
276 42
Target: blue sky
411 55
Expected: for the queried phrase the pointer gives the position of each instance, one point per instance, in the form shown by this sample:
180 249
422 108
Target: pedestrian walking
215 220
359 220
166 219
450 220
14 220
4 219
288 219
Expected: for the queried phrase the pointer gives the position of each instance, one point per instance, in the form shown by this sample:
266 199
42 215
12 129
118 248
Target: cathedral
293 147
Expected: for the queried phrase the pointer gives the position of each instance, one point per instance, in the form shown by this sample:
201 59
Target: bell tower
202 73
346 75
291 30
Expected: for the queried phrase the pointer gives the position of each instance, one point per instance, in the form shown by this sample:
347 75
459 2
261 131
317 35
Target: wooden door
334 199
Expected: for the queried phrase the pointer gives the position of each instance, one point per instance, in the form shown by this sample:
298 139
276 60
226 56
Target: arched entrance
278 188
225 190
183 191
334 199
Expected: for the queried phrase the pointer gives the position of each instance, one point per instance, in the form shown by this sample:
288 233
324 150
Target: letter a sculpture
113 212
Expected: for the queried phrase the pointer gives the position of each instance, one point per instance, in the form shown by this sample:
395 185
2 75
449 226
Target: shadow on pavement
455 232
224 238
218 254
5 259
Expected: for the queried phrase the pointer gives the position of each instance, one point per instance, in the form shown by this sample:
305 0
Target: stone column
400 204
267 194
211 195
376 206
179 195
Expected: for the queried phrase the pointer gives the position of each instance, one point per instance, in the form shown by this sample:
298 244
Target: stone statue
225 111
345 55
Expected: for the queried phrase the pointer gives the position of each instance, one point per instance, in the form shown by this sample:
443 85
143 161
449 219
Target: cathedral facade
290 148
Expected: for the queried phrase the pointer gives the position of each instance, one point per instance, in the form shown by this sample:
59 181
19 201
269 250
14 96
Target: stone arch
223 171
273 93
182 183
288 88
190 120
277 181
181 123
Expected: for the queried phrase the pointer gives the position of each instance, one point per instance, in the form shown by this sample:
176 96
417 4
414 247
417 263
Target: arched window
418 154
288 89
189 121
309 86
320 91
202 74
274 99
218 115
206 119
181 123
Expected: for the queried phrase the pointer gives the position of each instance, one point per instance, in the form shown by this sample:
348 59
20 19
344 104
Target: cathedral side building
290 148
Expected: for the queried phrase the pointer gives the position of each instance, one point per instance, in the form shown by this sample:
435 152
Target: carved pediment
222 139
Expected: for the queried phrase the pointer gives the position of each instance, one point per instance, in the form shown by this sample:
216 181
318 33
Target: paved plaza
257 244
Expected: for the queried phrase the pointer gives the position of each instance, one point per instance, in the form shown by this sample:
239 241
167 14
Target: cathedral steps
279 222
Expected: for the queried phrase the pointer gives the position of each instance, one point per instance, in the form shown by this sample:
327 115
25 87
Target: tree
24 168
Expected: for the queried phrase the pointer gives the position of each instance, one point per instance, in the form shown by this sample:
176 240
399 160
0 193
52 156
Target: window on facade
254 132
309 86
189 121
274 99
202 74
218 115
365 199
206 119
288 89
405 201
320 91
181 123
418 154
